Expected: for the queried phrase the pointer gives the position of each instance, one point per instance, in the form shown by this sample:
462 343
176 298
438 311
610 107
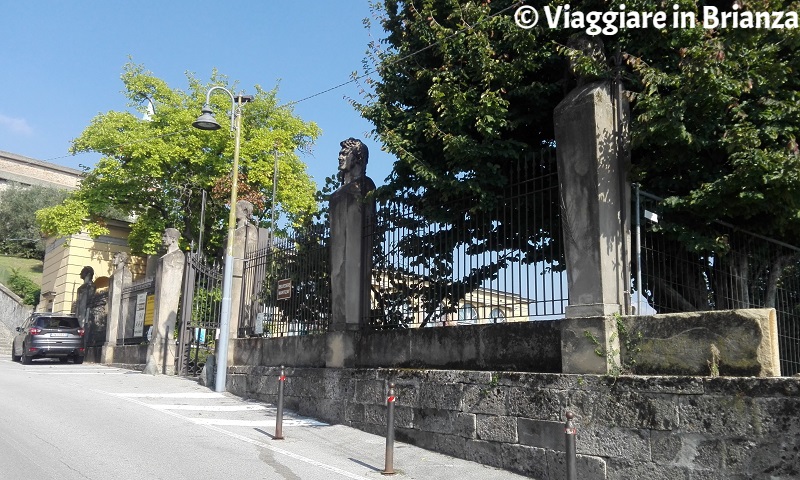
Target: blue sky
61 64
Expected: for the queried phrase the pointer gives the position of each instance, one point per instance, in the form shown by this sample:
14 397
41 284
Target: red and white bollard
389 467
279 416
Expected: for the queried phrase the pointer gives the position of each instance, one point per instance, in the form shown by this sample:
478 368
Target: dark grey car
43 335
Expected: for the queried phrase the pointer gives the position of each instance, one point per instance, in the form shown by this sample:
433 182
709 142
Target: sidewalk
337 451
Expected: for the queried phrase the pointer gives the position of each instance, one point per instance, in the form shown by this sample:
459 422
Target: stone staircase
6 337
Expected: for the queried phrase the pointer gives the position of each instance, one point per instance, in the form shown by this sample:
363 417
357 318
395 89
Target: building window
498 316
467 315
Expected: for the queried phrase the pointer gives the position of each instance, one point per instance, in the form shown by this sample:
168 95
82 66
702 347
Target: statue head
169 239
120 259
87 274
244 210
353 158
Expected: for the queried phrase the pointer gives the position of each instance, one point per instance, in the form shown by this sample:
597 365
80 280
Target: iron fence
726 268
469 263
200 311
286 288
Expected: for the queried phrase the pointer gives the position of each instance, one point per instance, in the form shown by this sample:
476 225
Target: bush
24 287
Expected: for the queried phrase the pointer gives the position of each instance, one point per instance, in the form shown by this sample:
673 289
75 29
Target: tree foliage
155 169
19 232
464 93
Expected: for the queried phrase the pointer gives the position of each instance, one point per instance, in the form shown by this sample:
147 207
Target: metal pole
638 227
389 467
570 432
227 277
274 190
279 415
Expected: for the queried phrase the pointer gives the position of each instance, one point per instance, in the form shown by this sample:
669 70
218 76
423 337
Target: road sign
285 289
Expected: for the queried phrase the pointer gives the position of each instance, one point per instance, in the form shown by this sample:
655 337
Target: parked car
54 335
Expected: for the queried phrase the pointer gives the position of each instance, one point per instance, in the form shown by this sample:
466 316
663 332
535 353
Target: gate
200 313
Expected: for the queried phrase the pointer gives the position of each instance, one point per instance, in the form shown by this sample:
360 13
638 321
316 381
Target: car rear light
36 330
81 332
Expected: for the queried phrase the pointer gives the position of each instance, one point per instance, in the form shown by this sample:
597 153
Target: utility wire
336 87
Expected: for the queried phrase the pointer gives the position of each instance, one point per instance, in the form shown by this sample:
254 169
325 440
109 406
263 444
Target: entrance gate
200 313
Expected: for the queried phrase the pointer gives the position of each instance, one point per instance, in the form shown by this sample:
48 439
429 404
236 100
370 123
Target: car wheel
78 360
26 360
14 358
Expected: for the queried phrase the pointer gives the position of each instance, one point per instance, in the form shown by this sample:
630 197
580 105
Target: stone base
592 310
590 345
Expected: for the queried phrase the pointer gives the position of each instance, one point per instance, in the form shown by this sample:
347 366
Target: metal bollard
389 467
570 432
279 416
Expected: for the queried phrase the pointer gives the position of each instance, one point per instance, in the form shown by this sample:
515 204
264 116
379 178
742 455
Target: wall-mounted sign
138 319
149 310
285 289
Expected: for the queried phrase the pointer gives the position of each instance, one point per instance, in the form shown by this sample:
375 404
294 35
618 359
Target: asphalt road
91 422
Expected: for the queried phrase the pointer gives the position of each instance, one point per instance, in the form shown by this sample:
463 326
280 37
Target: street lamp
206 121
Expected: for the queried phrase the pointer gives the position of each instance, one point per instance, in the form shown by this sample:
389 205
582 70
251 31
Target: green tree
464 94
155 170
20 235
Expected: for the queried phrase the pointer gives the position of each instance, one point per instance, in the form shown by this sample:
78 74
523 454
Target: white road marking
257 423
211 408
198 395
330 468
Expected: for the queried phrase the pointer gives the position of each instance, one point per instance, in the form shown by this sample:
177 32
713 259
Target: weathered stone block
485 453
497 428
485 399
441 396
613 442
587 467
680 343
541 434
541 404
530 461
444 421
589 345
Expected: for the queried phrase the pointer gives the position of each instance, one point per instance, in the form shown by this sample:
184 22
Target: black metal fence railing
286 287
727 268
201 306
500 261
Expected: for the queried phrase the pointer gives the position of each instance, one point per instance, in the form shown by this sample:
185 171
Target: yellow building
65 258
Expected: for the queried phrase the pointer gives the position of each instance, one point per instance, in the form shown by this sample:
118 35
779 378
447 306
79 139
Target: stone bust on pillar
169 274
352 215
85 295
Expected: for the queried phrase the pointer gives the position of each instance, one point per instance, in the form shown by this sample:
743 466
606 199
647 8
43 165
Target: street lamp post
206 121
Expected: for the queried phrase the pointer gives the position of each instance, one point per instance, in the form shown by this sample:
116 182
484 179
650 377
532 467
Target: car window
57 322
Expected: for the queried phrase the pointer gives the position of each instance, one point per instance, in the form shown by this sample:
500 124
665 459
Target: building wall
65 258
27 171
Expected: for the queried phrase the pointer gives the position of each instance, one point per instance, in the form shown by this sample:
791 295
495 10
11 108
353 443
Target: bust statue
120 260
169 240
85 295
353 158
244 210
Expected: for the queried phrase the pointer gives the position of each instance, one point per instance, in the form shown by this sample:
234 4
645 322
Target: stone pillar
595 205
595 201
120 278
169 281
245 241
351 215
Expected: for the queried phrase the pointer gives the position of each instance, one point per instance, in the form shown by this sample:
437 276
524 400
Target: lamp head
206 120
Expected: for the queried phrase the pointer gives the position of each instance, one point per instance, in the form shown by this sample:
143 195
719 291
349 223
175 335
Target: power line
336 87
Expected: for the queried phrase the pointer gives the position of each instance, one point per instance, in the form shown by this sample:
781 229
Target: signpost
285 289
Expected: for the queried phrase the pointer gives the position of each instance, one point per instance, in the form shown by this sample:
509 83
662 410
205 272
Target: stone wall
628 427
520 346
12 313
